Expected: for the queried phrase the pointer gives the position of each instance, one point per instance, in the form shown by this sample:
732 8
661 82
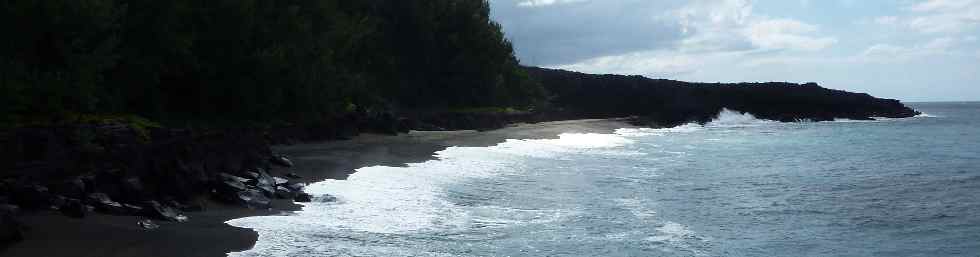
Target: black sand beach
206 234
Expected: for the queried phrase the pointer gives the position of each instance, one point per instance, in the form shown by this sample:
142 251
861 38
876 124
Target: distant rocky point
667 103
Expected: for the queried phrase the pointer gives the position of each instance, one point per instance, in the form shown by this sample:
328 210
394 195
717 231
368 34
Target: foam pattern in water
391 201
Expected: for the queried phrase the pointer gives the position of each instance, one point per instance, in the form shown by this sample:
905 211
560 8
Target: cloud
941 5
563 32
557 32
944 16
537 3
651 63
893 53
786 34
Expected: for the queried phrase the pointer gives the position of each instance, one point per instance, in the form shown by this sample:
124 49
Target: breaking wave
725 119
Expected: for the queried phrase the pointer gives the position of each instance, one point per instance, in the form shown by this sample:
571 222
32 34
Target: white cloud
945 16
537 3
893 53
786 34
883 50
730 25
714 34
649 63
941 5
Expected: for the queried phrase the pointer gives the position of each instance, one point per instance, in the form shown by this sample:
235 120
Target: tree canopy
253 60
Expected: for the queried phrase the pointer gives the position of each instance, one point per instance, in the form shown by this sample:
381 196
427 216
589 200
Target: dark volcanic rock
133 190
147 224
104 204
281 160
133 209
231 183
74 208
293 175
162 212
303 197
265 183
285 193
10 226
72 188
668 103
32 196
280 181
326 199
296 186
253 198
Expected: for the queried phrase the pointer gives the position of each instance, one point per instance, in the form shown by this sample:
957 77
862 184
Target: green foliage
253 60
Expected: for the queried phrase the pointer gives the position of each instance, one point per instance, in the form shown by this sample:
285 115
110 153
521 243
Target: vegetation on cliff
252 60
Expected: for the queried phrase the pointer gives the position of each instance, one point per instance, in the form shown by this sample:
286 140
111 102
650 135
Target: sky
912 50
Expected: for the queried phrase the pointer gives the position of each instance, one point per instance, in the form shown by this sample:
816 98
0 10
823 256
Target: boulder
281 160
71 188
162 212
104 204
303 197
147 224
280 181
230 183
252 175
32 196
133 190
296 187
326 199
74 208
285 193
10 226
253 198
266 183
133 209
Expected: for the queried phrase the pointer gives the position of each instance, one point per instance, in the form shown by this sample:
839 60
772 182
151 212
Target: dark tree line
252 60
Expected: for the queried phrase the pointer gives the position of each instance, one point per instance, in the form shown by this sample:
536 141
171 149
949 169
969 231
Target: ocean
737 186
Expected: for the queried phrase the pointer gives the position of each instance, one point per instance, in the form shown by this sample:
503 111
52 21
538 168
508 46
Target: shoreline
207 233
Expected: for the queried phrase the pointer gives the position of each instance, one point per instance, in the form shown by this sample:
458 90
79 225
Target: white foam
638 132
405 200
638 208
725 119
730 118
676 235
885 119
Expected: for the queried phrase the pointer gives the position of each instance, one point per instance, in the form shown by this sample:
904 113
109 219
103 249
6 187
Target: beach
51 234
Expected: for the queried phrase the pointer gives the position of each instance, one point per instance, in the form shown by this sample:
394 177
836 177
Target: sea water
737 186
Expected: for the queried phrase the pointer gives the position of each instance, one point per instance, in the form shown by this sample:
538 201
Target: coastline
207 234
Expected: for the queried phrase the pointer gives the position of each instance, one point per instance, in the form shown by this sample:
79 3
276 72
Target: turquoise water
735 187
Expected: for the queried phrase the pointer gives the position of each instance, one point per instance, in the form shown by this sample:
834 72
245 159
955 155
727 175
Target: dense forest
252 60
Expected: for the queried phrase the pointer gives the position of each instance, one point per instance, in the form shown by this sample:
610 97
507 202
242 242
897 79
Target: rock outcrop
668 103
